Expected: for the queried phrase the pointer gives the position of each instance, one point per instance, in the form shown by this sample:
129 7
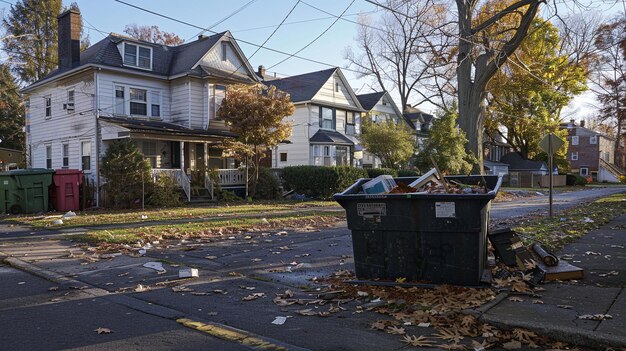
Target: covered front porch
195 159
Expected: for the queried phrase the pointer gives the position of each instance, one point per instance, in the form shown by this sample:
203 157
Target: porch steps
200 195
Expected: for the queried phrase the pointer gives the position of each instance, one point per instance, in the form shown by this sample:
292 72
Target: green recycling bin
25 190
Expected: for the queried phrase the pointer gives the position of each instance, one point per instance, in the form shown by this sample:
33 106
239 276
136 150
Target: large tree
11 111
404 51
31 45
527 94
255 113
610 77
153 34
390 141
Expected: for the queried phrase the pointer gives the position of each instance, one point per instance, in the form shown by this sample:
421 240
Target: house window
575 140
327 155
337 87
219 93
224 51
341 156
149 150
283 157
574 156
120 102
350 123
70 101
327 118
85 155
48 105
139 56
593 139
66 155
584 171
155 104
138 102
49 156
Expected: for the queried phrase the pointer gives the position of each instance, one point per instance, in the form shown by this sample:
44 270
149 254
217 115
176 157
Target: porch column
182 156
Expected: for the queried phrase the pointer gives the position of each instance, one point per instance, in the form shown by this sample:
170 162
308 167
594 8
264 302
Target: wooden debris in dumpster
402 188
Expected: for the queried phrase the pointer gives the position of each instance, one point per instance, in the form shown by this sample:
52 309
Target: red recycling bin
65 189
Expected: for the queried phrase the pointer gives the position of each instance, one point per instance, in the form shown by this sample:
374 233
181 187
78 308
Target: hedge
375 172
575 179
321 182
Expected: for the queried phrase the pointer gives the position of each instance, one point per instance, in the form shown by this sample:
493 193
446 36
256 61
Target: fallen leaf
418 341
515 299
306 312
395 330
595 317
103 330
608 274
567 307
400 280
449 335
199 293
253 296
181 288
53 288
211 257
537 302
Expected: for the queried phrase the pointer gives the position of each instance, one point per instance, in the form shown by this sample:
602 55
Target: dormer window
138 56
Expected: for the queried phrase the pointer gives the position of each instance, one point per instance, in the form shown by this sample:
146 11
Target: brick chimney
70 26
261 71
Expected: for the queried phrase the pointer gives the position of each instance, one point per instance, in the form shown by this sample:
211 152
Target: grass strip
104 217
574 222
211 228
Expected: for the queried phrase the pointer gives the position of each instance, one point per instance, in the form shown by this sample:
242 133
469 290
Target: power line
314 40
239 40
303 21
224 19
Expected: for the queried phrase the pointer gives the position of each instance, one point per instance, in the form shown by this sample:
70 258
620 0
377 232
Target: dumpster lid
29 171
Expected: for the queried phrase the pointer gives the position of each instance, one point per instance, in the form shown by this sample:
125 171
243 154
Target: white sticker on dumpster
371 209
445 210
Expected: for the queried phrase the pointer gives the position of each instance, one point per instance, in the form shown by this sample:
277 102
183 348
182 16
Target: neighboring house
11 159
378 106
494 149
326 121
420 122
524 173
163 97
591 153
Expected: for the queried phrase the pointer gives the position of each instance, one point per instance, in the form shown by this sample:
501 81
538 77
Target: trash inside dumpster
421 233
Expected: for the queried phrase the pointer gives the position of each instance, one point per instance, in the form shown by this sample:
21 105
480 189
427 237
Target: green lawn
102 217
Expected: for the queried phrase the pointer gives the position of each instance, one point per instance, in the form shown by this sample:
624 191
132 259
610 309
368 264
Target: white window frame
137 101
224 51
121 105
47 103
280 157
48 154
154 96
71 100
574 156
575 140
585 173
65 152
136 54
593 140
84 154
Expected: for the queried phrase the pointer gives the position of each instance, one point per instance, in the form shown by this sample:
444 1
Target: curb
217 330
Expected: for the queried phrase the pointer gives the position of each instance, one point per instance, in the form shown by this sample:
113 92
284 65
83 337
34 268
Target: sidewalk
602 254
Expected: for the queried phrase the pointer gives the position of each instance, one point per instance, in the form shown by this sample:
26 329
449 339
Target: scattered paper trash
588 220
280 320
144 217
188 273
140 288
57 222
157 266
69 214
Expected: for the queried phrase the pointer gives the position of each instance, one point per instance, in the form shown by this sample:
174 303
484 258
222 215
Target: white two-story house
163 97
379 107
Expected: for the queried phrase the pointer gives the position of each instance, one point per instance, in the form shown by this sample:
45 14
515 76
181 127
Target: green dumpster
25 190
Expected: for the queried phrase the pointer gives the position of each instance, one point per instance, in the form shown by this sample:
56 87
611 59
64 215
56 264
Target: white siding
298 150
328 94
62 126
106 91
197 103
179 111
233 62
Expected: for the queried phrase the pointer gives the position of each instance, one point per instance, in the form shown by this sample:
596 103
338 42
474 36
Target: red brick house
591 153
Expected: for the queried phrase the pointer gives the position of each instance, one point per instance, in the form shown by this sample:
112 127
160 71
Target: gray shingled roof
167 60
368 101
303 87
165 127
323 136
517 163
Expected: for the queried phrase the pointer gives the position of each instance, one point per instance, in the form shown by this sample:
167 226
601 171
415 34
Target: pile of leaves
422 317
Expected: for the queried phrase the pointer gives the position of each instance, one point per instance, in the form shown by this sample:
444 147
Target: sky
254 21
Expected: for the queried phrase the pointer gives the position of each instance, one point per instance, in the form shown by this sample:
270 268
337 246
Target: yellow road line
231 335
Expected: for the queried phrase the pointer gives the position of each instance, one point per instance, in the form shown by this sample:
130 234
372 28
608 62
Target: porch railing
232 177
209 185
178 175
